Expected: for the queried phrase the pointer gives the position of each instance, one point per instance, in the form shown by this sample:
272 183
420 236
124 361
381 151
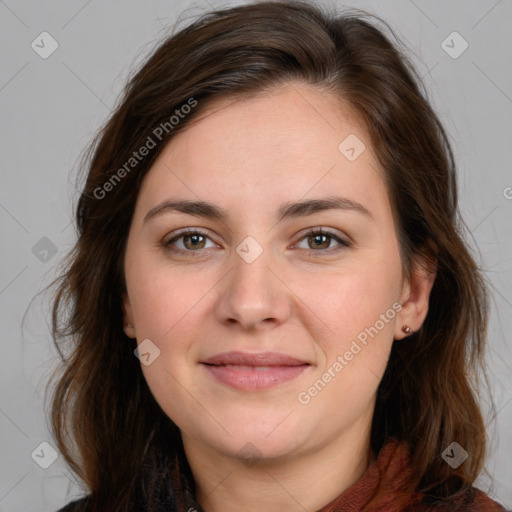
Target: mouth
252 372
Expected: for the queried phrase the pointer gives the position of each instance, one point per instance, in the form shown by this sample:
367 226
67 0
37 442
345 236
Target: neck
306 481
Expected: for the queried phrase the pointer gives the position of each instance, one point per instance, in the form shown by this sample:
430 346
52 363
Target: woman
270 302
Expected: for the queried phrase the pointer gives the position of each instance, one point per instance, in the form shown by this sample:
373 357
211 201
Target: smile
251 378
252 372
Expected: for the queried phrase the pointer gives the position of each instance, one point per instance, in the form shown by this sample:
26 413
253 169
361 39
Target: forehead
284 144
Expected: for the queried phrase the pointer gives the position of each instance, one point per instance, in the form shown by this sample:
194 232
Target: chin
252 449
255 435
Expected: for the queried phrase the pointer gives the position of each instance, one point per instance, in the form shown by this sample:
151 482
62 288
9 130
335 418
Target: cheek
356 316
351 300
167 305
164 299
355 311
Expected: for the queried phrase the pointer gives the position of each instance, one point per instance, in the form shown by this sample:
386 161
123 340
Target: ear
416 293
128 324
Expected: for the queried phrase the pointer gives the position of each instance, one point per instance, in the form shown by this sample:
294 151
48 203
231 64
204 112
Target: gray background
52 107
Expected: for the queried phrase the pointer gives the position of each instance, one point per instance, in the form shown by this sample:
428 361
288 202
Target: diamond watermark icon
44 45
44 455
147 352
44 249
351 147
249 249
250 454
454 45
454 455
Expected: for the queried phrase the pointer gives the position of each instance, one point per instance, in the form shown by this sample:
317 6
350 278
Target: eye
192 239
321 239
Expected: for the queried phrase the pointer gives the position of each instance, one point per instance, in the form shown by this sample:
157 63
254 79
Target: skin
248 157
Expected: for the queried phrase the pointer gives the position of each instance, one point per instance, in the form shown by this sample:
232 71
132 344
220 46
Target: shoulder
473 500
75 506
481 502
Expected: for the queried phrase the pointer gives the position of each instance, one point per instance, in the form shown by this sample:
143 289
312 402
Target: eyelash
344 244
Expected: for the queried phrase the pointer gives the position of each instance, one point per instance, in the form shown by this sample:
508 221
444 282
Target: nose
254 294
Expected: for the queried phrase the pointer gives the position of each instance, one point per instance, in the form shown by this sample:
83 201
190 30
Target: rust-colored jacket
387 474
380 489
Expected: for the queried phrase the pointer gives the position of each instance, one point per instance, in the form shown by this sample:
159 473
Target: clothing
388 472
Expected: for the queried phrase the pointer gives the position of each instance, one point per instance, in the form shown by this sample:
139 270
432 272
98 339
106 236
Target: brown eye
319 242
196 241
191 242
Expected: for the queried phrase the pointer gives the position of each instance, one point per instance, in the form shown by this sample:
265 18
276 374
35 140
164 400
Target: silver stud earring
131 326
406 329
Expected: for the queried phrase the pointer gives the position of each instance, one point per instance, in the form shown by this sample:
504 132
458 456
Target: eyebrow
286 210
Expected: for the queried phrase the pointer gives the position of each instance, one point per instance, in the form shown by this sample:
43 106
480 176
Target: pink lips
250 372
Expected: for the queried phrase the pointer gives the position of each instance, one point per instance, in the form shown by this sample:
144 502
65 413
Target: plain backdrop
51 107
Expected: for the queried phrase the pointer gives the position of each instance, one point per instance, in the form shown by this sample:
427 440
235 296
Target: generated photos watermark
156 136
305 397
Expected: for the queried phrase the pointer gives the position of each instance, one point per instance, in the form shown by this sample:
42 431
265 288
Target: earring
406 329
131 326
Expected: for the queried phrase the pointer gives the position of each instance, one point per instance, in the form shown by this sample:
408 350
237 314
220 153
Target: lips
260 359
251 372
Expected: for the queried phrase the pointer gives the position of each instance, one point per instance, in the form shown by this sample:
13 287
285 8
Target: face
270 325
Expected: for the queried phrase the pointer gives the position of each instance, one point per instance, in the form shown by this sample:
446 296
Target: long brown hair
104 418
